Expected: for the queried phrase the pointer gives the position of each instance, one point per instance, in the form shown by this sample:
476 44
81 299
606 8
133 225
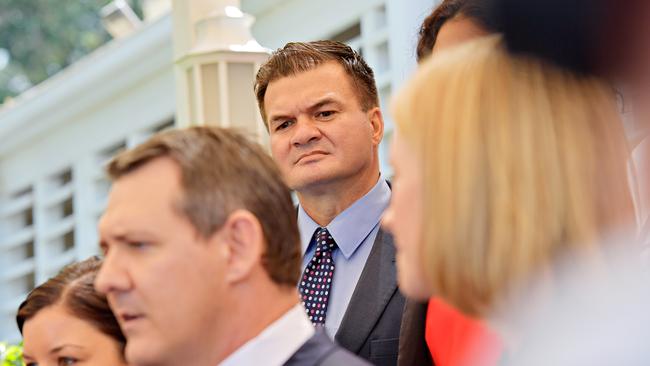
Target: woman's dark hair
563 32
73 288
592 37
447 10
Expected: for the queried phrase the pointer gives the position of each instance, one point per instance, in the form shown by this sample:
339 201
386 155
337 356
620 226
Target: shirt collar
277 343
354 224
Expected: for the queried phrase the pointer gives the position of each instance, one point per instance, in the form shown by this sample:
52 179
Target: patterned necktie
316 280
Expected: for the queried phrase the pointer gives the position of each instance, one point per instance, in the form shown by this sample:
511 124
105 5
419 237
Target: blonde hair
520 160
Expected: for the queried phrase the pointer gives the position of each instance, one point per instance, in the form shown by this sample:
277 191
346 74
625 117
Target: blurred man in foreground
202 256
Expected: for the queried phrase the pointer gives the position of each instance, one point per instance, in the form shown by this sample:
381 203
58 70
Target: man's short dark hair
297 57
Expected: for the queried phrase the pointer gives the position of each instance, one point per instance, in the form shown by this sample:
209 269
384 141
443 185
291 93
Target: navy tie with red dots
316 280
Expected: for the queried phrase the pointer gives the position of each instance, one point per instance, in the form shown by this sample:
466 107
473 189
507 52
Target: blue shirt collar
354 224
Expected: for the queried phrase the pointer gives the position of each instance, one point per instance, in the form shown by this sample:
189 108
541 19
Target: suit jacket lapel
375 288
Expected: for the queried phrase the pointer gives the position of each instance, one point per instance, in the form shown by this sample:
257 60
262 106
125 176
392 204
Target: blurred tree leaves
11 355
44 36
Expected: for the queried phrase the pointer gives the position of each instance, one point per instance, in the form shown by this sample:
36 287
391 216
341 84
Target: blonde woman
501 164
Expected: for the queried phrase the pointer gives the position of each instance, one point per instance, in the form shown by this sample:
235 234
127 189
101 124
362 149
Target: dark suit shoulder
320 350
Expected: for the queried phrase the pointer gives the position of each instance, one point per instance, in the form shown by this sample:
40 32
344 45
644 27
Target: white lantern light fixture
216 76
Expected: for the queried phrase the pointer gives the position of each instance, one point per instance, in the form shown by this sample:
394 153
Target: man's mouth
310 154
128 318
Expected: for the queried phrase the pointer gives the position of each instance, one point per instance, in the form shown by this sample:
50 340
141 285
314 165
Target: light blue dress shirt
354 231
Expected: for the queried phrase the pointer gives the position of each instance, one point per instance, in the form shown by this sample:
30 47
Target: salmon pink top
455 339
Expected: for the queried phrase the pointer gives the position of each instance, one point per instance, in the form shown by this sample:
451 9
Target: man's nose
305 131
112 276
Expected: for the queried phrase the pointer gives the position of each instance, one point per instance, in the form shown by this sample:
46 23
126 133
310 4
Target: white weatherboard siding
55 138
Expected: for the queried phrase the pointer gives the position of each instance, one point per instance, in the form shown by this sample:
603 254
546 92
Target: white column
404 23
185 14
403 27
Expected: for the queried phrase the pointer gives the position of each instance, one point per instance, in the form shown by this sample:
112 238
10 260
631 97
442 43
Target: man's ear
377 122
243 238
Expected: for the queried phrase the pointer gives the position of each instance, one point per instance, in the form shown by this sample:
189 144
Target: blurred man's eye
137 244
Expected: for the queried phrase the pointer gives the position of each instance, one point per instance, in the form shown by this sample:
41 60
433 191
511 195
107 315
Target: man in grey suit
320 105
202 256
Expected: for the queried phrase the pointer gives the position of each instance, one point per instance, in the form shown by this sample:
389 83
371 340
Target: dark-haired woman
66 322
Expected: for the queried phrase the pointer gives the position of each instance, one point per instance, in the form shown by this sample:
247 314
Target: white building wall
55 139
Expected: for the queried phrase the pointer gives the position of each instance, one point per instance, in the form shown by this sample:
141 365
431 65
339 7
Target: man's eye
284 125
325 114
67 361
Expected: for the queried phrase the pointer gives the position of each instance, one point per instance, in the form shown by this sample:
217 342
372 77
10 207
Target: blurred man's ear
243 237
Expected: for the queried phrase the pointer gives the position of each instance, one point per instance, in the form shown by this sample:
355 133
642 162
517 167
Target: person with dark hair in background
451 23
65 321
434 329
202 256
606 38
609 39
320 105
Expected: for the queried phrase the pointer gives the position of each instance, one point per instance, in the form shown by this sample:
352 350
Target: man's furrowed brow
278 118
324 102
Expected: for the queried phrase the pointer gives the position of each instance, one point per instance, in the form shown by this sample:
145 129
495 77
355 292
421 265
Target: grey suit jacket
371 324
320 350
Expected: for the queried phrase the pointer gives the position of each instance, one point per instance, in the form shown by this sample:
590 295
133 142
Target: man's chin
311 182
141 352
303 179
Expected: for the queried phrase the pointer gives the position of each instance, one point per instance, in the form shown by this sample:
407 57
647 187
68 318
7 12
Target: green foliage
45 36
11 355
